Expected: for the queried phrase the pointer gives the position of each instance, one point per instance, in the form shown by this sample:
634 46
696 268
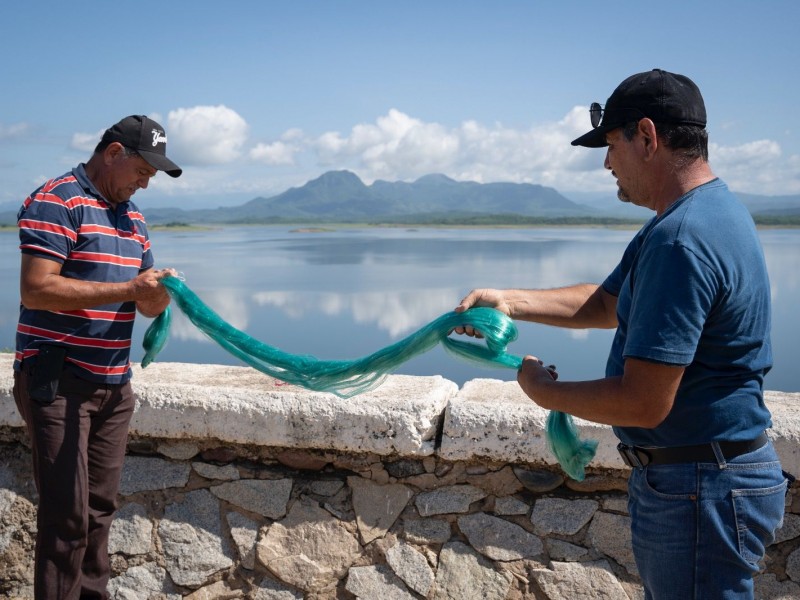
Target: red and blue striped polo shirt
68 221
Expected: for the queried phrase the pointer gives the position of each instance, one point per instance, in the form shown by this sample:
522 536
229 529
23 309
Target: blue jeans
699 530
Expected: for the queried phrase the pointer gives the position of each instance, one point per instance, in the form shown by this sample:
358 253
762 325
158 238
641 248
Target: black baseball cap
658 95
147 138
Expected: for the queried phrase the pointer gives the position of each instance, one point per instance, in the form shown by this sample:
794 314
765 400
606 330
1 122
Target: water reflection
397 313
348 293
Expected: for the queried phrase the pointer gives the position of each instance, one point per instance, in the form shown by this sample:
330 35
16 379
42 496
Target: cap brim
596 138
161 162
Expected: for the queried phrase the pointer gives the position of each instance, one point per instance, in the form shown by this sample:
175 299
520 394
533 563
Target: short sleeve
46 227
673 291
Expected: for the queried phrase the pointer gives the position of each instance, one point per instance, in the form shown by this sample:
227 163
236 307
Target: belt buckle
631 456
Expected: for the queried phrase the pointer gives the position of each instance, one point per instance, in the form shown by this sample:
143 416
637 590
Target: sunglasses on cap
596 112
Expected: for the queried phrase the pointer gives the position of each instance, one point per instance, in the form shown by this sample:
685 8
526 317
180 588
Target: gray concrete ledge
486 420
241 405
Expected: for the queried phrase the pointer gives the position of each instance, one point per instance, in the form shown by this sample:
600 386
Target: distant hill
771 205
340 197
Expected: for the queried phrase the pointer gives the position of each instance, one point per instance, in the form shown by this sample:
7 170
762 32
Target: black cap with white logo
147 138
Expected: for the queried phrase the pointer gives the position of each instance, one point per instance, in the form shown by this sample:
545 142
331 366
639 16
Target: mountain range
340 196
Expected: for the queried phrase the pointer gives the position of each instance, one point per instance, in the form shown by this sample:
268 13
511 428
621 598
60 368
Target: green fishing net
347 378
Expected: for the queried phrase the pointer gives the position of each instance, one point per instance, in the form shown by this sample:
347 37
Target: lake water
346 293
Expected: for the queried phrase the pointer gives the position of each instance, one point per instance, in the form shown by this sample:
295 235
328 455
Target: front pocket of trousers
672 482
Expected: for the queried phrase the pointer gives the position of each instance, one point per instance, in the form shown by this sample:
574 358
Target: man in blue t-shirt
86 270
684 381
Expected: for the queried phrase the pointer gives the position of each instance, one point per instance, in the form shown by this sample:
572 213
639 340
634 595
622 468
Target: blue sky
260 96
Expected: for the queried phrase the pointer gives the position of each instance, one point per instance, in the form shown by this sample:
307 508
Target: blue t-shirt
692 290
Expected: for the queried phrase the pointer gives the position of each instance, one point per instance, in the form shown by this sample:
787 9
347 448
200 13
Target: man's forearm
578 307
62 293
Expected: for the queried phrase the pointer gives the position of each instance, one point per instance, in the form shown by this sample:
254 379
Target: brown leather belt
637 456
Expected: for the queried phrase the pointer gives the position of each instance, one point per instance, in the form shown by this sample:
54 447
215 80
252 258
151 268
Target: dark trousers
78 446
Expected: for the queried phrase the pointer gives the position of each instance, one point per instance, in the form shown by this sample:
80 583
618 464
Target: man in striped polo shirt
86 270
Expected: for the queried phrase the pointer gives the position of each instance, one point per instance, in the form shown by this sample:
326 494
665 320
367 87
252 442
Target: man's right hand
151 297
482 297
147 285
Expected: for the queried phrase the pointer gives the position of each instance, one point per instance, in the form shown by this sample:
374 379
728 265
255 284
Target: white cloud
400 147
205 135
277 153
86 142
397 146
756 153
756 167
12 131
280 152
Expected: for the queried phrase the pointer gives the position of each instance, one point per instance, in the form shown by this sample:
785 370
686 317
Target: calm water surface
347 293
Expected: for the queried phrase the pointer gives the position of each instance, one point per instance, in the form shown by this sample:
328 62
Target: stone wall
237 486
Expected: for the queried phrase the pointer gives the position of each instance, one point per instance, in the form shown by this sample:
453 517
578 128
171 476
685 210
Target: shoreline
331 227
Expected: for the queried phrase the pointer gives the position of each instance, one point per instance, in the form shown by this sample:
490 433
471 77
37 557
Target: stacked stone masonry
237 486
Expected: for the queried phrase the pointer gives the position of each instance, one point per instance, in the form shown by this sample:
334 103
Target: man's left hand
532 372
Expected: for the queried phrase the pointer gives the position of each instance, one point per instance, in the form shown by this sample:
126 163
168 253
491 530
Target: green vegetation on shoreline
488 221
180 226
515 221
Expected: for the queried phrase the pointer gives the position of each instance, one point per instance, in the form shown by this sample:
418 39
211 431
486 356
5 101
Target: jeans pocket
676 482
759 514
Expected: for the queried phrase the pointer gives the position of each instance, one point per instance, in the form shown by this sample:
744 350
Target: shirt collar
80 174
83 180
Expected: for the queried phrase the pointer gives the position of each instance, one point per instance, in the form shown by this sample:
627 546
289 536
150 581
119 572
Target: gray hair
689 142
129 152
